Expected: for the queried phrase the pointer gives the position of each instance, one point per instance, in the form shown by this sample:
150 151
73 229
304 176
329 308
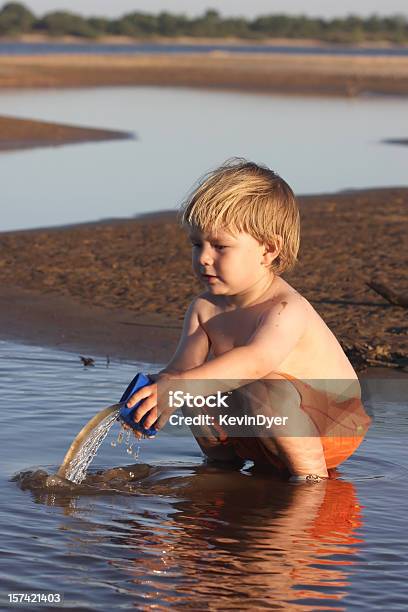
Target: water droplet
127 437
131 475
129 450
120 437
136 453
113 443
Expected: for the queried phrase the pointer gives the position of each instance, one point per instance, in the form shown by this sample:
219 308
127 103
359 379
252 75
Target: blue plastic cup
127 414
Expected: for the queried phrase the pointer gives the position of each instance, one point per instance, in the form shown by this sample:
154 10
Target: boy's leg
297 443
215 447
220 452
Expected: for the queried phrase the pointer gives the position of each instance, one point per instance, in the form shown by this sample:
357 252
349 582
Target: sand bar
27 134
290 74
121 287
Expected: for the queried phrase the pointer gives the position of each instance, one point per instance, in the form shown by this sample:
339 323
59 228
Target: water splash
78 465
86 444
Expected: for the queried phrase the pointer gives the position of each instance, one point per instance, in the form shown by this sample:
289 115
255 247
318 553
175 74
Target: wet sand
280 73
121 287
28 134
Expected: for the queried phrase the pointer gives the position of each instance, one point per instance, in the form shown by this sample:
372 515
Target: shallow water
170 531
317 144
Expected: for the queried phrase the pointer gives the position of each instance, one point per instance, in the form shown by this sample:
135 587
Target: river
318 145
180 533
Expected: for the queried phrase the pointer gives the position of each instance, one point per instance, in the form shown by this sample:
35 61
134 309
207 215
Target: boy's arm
277 334
194 345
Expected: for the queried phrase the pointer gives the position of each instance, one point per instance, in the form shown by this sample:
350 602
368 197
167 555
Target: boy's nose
205 258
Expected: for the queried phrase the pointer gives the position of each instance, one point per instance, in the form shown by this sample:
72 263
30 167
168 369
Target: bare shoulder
318 354
286 305
205 305
200 302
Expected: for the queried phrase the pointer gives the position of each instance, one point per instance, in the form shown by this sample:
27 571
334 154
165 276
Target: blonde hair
241 196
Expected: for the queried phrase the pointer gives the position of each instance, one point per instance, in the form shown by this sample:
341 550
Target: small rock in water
56 481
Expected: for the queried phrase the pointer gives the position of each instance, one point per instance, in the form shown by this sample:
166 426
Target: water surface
317 144
47 48
181 533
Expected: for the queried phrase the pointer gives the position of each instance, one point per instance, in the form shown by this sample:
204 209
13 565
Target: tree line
16 19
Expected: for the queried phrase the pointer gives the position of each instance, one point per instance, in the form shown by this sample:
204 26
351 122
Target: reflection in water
213 538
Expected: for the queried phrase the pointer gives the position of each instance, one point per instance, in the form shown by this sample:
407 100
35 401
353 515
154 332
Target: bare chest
317 356
230 330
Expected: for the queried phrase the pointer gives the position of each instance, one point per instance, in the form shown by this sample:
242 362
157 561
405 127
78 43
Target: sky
247 8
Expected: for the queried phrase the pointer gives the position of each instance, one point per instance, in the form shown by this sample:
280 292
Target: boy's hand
148 396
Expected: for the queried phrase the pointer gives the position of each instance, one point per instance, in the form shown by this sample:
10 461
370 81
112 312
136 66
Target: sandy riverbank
280 73
27 134
122 286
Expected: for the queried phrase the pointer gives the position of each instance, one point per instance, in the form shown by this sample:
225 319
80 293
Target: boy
251 333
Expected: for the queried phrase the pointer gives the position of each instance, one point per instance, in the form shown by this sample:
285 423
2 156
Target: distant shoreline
295 74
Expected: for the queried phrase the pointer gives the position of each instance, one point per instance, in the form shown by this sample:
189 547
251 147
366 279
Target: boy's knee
270 397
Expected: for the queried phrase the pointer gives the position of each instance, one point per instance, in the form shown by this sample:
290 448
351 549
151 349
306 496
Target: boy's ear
271 251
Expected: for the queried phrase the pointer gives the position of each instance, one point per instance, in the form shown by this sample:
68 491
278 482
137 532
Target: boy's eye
219 247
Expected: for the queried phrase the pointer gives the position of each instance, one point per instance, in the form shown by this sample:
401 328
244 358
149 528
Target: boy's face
228 263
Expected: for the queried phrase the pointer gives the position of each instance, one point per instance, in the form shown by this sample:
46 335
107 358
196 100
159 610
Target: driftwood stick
392 296
384 364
